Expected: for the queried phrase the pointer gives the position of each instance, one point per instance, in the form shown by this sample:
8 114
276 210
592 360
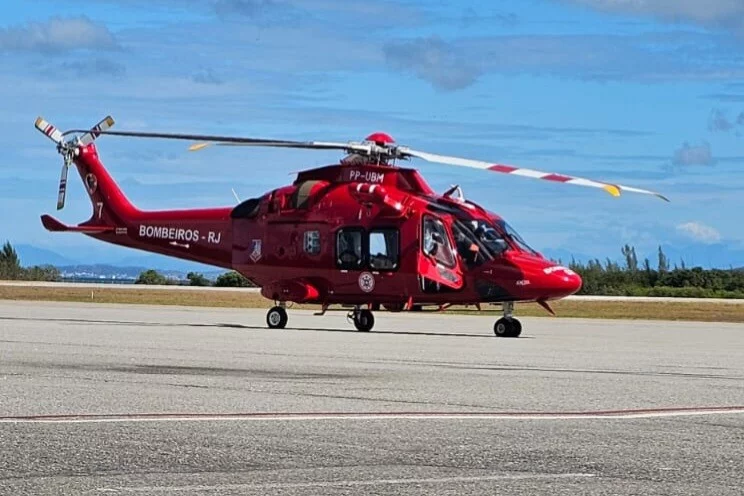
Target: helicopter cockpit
480 240
514 237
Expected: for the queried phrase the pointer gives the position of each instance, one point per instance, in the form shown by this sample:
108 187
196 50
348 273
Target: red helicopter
364 233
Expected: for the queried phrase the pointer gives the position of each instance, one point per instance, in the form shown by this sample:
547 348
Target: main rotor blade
199 137
205 140
312 145
182 136
613 189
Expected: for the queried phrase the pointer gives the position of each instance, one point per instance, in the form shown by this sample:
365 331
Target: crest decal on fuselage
256 251
366 282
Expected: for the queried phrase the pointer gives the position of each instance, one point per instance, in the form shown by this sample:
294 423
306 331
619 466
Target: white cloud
716 13
718 121
693 155
434 60
652 57
56 35
699 232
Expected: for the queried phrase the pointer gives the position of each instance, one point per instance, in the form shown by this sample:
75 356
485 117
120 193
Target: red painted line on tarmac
620 413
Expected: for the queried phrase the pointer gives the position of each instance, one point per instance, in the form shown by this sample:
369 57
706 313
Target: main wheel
277 318
507 328
517 328
364 320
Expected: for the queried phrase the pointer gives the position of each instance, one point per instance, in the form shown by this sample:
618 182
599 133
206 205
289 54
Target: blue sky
648 93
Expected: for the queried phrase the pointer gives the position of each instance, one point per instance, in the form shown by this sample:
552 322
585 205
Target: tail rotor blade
88 138
48 130
62 187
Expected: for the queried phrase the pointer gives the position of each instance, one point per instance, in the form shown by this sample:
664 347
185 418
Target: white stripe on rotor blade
530 173
586 182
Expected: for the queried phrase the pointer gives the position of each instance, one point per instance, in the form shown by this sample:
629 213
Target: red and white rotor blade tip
48 130
613 189
89 137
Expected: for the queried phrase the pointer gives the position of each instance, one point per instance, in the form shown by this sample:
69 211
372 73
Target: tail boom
201 235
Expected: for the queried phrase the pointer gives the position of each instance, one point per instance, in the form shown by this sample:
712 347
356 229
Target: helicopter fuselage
341 234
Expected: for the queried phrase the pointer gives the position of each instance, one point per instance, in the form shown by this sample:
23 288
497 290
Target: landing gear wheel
507 328
277 318
517 328
364 320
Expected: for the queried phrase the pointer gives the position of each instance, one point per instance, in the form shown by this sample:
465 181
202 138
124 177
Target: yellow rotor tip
613 190
198 146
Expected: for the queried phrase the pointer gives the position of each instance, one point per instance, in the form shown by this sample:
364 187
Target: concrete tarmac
124 399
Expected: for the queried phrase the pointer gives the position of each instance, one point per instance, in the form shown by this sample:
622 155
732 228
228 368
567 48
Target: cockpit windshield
489 236
514 236
494 236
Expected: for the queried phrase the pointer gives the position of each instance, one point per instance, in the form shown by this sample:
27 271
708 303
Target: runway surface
123 399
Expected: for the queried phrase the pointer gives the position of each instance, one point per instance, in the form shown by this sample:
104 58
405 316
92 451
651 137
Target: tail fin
110 204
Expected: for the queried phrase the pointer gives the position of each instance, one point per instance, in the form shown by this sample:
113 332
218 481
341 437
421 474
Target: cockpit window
489 236
515 237
436 243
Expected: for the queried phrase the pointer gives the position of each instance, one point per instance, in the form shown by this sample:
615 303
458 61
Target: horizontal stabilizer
52 224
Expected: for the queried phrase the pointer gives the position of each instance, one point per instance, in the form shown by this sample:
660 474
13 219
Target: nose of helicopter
562 281
568 281
542 279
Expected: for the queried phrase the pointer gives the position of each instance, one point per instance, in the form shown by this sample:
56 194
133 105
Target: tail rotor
63 182
68 149
49 131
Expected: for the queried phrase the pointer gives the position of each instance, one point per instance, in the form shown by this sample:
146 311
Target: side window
312 242
383 249
349 248
436 243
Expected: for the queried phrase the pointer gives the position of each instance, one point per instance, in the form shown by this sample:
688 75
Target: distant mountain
154 261
111 267
719 255
106 271
32 255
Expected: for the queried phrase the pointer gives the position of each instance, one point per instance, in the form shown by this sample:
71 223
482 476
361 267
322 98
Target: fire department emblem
256 253
91 182
366 282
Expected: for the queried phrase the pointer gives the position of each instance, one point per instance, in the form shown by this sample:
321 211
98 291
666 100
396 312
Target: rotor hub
380 139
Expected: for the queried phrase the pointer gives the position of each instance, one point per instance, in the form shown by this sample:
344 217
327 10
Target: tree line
634 278
231 279
11 269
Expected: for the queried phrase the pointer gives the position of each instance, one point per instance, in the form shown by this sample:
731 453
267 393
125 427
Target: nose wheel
507 326
277 318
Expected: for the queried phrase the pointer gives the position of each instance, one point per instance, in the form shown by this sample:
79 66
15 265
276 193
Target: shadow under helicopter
227 325
354 331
